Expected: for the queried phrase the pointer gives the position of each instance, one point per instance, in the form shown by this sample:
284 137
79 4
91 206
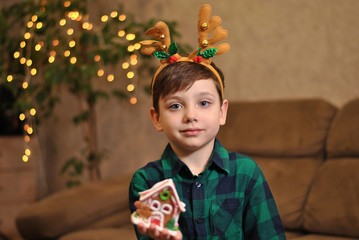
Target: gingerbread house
159 205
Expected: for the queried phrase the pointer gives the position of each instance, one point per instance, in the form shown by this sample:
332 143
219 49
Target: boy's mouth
191 131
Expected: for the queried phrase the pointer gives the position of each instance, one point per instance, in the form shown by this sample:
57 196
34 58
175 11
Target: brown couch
308 150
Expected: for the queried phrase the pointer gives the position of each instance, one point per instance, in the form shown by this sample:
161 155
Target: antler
206 25
159 31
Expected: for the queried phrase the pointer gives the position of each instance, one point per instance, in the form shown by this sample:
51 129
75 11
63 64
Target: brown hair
180 76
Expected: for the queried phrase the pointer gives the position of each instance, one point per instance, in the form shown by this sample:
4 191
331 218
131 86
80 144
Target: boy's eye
204 104
175 106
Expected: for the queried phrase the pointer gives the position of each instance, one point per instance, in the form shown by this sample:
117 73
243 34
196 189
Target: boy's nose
190 115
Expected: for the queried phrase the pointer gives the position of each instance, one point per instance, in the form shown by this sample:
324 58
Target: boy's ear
156 119
223 112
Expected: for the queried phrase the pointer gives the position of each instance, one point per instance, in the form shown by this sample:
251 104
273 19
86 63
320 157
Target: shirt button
198 184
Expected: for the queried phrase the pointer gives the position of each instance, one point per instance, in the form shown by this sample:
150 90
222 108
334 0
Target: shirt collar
172 165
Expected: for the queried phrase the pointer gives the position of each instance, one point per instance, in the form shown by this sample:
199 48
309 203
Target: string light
27 152
73 60
121 33
114 14
51 59
110 77
37 47
137 46
72 44
85 25
104 18
97 58
36 23
130 36
79 18
100 72
23 44
125 65
130 87
70 31
39 25
67 4
122 17
62 22
25 158
27 35
130 75
32 111
34 18
22 117
133 61
29 130
131 48
133 100
89 27
33 71
30 24
29 62
16 54
73 15
9 78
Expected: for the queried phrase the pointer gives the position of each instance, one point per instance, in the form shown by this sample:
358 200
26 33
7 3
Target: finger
142 228
153 231
178 236
165 235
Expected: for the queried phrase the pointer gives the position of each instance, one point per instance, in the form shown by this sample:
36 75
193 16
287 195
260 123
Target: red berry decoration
198 59
173 59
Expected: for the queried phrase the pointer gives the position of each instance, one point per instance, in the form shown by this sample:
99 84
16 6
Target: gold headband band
186 59
166 51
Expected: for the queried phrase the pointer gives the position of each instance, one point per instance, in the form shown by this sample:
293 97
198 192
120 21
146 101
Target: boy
225 193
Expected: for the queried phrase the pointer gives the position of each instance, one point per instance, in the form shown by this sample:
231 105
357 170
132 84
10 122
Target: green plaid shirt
229 200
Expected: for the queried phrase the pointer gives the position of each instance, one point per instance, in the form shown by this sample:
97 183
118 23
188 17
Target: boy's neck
196 160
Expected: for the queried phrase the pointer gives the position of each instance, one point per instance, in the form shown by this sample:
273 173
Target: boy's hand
156 234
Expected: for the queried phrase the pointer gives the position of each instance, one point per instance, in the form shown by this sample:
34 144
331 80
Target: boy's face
191 118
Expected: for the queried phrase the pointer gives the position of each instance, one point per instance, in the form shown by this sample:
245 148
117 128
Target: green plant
62 46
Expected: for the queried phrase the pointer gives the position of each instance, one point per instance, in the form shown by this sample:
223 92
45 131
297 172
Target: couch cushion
343 136
333 202
115 220
293 235
289 180
277 128
321 237
127 233
73 209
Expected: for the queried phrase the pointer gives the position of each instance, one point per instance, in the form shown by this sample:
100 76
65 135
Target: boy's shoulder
243 164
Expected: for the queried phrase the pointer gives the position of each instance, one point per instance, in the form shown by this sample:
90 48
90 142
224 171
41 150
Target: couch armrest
73 209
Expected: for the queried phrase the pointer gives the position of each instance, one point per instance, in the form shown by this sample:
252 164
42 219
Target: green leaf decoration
161 55
171 224
209 53
173 49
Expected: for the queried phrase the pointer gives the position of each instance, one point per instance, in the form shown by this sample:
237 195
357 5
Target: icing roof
167 183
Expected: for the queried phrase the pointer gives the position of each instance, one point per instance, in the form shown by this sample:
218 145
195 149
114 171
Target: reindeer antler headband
166 51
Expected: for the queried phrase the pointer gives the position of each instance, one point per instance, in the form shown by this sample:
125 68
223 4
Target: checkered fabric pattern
229 200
